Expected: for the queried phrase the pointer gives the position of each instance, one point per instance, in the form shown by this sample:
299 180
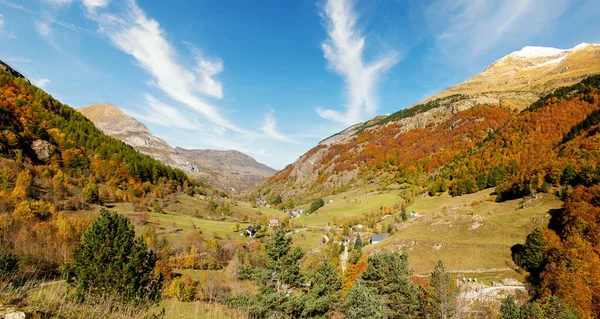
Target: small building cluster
295 213
274 222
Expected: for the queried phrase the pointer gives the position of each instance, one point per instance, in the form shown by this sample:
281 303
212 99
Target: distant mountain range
419 142
227 170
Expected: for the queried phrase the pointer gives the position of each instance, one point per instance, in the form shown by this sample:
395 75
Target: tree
358 243
110 260
532 257
316 204
282 262
90 193
387 275
363 303
510 310
325 286
442 291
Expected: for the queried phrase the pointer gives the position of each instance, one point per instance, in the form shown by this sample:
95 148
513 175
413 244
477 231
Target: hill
417 144
226 170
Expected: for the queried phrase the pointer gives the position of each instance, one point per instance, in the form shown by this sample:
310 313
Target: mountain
419 143
230 170
53 158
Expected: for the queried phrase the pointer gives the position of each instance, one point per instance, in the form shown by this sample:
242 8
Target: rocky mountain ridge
511 83
227 170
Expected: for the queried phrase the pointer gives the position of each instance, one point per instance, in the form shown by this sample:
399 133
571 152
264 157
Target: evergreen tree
387 275
532 257
282 262
358 243
110 260
316 204
326 283
363 303
510 310
443 292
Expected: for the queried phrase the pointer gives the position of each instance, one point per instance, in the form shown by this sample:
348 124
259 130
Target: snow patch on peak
532 52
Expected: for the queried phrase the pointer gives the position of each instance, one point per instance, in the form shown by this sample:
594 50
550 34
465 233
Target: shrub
9 264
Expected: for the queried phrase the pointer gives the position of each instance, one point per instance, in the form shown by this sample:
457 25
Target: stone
15 315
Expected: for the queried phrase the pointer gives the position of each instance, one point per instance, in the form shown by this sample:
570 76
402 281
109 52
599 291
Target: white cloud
1 22
270 130
343 50
467 30
144 39
40 82
162 114
92 4
43 28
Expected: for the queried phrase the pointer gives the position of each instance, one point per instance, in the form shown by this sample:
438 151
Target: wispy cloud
162 114
467 30
1 22
270 130
343 50
143 38
58 2
43 28
40 82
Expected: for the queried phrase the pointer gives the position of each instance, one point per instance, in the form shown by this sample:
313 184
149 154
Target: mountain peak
532 52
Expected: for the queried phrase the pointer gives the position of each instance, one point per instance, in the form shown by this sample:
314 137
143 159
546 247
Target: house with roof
250 231
274 222
376 238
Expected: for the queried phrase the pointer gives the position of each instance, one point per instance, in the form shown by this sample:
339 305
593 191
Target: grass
346 205
179 225
467 232
195 310
308 241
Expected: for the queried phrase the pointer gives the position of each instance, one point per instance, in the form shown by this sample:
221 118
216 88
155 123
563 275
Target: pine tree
533 252
510 310
443 292
358 243
326 282
363 303
282 262
387 275
110 260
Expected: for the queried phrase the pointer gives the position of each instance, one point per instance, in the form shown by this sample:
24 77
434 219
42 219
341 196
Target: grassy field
346 205
193 310
467 232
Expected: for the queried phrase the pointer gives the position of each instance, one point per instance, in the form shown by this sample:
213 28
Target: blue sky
271 78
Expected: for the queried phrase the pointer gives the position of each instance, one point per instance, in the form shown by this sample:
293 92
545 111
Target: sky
271 78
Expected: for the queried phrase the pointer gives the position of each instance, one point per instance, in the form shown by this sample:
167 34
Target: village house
250 231
274 223
375 238
261 202
296 213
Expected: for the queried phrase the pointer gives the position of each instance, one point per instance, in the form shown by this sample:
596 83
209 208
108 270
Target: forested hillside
481 147
52 161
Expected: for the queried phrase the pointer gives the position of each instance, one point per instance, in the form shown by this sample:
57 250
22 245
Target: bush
110 260
316 204
9 264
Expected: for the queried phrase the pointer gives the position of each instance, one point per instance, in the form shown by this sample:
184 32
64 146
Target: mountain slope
413 144
50 152
222 169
